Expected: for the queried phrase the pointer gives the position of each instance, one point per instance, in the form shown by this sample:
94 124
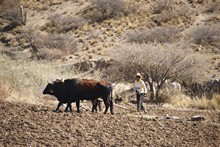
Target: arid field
37 125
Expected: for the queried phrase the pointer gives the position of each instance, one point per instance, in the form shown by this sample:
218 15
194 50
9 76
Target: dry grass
5 88
183 101
25 80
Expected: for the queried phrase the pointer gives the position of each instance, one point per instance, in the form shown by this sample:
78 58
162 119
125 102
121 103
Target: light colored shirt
140 86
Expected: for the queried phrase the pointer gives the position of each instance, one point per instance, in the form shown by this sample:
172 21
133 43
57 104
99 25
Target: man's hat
138 75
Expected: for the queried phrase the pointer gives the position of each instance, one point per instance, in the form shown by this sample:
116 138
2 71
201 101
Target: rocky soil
36 125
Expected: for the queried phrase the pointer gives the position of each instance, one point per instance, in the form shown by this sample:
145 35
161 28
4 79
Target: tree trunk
152 92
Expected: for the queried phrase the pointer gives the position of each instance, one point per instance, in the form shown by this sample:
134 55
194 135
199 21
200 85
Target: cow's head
53 87
49 89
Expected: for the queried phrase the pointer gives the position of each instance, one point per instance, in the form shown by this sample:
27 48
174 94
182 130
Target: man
141 90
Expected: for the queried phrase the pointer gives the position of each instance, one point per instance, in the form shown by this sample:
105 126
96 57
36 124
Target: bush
212 8
48 46
64 42
158 6
12 13
62 24
158 34
206 35
105 9
166 10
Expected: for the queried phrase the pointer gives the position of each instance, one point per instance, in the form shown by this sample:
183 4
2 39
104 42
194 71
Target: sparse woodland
165 40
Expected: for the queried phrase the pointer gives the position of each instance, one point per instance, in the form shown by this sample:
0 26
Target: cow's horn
59 80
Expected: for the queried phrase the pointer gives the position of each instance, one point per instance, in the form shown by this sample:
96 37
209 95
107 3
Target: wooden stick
121 106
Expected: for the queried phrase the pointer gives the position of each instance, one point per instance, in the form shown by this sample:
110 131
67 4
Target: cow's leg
58 106
106 102
99 103
68 106
77 106
94 105
111 107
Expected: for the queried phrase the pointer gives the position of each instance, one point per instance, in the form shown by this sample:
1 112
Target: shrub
64 42
108 8
47 46
105 9
166 10
12 13
158 6
63 23
212 8
158 34
206 35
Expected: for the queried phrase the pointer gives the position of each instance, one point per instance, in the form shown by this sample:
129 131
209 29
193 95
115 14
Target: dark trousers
140 97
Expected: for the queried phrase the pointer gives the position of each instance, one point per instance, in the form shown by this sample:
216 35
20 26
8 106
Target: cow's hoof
112 113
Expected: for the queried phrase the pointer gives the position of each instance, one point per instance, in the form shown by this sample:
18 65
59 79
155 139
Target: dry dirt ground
36 125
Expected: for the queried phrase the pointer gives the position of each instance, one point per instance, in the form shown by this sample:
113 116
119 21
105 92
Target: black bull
74 90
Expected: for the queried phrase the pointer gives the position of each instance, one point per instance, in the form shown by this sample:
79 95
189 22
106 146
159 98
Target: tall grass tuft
183 101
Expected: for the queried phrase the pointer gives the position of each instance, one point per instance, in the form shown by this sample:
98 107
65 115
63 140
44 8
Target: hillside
81 33
45 40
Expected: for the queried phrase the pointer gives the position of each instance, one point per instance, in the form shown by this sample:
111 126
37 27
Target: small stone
198 118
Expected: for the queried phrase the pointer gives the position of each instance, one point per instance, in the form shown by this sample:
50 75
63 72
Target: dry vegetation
157 34
82 36
177 40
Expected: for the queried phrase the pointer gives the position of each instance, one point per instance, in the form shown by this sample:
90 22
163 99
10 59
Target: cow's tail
111 101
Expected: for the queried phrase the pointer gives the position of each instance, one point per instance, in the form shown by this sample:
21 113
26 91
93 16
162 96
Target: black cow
74 90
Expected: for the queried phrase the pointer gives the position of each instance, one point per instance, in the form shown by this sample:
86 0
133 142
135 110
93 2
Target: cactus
23 16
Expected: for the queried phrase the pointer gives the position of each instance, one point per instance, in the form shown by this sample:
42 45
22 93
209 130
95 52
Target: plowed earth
36 125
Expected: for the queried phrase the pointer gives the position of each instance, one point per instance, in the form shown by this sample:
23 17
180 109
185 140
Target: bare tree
157 63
